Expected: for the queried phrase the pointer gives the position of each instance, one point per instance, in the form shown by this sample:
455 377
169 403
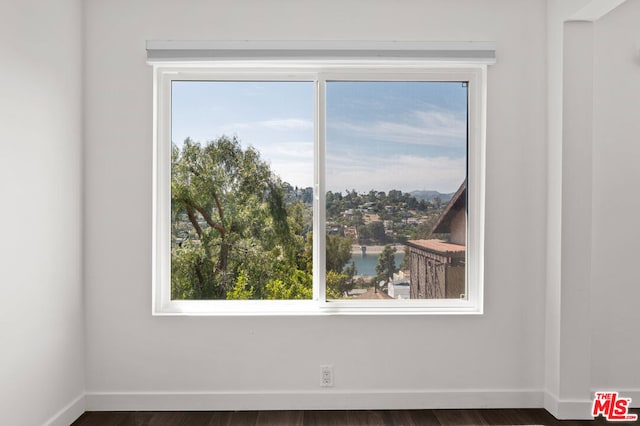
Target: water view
366 264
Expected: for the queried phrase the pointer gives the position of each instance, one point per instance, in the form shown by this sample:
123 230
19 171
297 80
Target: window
241 190
297 187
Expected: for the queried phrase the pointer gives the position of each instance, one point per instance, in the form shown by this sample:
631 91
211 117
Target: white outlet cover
326 376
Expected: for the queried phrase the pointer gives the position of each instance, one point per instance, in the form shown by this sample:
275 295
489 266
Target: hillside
431 195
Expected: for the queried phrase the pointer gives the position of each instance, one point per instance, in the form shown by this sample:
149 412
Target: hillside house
437 267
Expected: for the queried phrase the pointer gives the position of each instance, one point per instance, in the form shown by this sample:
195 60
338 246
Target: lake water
366 264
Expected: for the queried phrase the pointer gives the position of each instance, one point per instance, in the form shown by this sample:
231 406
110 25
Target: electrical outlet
326 376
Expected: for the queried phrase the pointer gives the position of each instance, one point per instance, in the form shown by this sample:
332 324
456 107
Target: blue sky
380 135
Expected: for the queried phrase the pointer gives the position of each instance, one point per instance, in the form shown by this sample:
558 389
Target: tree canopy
239 232
234 237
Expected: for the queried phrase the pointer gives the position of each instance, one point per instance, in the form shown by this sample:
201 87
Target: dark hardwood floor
528 417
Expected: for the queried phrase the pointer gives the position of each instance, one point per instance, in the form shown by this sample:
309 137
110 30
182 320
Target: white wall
593 101
615 288
41 319
558 11
128 351
577 112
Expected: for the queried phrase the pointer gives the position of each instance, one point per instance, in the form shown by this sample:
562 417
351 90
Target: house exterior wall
435 276
455 282
459 228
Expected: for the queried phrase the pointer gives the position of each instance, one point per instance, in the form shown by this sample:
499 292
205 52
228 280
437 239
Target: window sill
315 308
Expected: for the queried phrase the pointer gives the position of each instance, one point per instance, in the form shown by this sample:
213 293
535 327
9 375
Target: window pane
241 197
396 170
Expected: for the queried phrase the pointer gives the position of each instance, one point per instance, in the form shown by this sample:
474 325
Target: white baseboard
328 400
312 400
634 394
581 409
567 409
68 414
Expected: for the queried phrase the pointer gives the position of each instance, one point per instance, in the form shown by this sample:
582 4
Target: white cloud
288 123
432 127
284 124
403 172
292 161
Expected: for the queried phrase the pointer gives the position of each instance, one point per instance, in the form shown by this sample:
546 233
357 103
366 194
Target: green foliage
340 284
372 233
377 232
192 273
241 290
386 266
340 271
338 252
298 285
405 260
238 232
230 222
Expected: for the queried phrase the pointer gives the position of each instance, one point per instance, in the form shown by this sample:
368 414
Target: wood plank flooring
329 418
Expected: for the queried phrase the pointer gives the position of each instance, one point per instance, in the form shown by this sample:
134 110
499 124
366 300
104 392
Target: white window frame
319 71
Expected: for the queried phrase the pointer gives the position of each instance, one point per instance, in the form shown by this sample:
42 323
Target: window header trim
172 51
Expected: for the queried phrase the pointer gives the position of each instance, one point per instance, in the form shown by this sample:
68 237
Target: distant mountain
431 195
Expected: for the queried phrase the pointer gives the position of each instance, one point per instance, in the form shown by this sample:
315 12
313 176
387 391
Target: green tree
405 265
377 232
340 271
386 266
338 252
338 285
239 222
364 234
